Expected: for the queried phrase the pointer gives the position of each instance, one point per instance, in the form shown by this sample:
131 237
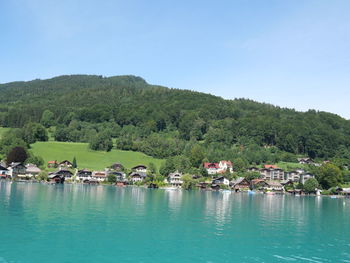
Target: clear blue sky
290 53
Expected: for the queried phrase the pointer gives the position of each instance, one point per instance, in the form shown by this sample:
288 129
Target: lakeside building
84 174
4 173
137 176
16 169
175 179
32 170
99 176
240 184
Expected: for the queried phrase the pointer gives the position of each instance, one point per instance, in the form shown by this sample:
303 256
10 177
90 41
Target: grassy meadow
86 158
3 130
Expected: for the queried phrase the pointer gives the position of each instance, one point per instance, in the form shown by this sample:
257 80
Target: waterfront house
65 173
120 176
56 178
140 168
175 179
52 164
274 186
212 168
225 166
137 176
99 176
84 174
16 169
258 184
65 164
220 181
293 176
32 170
240 184
3 172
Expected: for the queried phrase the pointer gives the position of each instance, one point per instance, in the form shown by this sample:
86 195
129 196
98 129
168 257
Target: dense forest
128 113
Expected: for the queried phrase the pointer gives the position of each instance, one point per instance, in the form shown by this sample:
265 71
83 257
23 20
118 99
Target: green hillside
86 158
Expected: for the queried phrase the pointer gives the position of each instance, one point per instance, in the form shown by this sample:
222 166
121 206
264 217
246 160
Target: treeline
127 113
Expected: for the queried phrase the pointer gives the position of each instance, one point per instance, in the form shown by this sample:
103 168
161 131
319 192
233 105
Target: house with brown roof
240 184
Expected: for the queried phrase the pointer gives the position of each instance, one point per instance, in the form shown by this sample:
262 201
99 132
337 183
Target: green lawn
3 130
86 158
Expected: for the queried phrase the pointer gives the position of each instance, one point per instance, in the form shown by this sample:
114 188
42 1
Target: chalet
274 186
240 184
305 160
220 181
99 176
120 176
16 169
137 176
212 168
258 184
65 163
91 181
175 179
140 169
56 178
52 164
3 172
32 170
65 173
345 191
117 167
84 175
225 166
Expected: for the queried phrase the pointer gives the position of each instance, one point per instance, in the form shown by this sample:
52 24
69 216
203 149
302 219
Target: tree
17 154
37 160
33 132
74 164
310 185
152 169
112 178
10 140
101 142
329 175
47 119
197 155
188 182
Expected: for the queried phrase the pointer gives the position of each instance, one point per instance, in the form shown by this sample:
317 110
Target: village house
140 169
32 170
240 184
274 186
305 160
99 176
137 176
212 168
220 181
225 166
258 184
120 176
293 176
56 178
65 173
3 172
175 179
16 169
65 164
52 164
84 175
117 167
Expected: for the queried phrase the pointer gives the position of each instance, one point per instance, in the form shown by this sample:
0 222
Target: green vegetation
96 160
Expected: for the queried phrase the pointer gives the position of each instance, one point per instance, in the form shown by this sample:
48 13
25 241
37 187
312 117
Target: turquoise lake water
79 223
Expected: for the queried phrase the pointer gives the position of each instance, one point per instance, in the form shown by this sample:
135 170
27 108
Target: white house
175 179
221 180
224 166
140 169
99 175
212 168
16 169
137 176
3 172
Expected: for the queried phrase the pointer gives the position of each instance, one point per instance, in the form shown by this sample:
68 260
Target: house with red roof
212 168
270 166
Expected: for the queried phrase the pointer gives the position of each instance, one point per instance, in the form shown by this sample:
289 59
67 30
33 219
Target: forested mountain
167 122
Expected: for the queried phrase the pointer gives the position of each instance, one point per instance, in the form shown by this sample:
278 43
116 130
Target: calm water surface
78 223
